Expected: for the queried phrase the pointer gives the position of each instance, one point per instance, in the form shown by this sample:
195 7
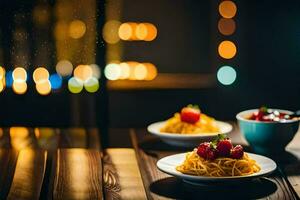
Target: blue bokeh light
56 81
226 75
9 79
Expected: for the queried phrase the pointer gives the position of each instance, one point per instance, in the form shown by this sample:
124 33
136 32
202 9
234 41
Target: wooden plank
292 172
93 141
78 174
122 178
8 159
161 186
29 174
73 138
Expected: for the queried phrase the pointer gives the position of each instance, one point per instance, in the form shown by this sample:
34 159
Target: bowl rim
240 117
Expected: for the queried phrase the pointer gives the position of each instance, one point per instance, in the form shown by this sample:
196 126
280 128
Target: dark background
267 65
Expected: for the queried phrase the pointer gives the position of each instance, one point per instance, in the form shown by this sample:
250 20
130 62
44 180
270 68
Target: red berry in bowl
190 115
211 154
237 152
202 149
224 147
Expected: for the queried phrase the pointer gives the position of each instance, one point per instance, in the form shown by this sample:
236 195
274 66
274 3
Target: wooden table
49 163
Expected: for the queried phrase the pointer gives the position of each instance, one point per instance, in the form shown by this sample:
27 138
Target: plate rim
189 135
193 178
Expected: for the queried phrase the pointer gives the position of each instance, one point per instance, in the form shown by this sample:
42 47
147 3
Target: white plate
168 165
186 140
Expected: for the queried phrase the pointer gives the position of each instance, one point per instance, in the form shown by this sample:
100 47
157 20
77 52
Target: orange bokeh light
227 9
83 72
40 74
227 49
127 31
226 26
19 87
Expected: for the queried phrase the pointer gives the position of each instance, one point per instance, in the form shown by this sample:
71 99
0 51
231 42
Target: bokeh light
96 71
55 81
227 9
151 71
75 85
141 31
9 79
151 32
227 49
77 29
91 85
226 75
226 26
2 73
19 74
140 72
19 87
112 71
40 74
110 31
64 68
125 70
127 31
83 72
43 87
132 65
1 86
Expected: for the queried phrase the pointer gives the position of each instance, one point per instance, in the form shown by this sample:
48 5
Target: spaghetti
206 124
219 167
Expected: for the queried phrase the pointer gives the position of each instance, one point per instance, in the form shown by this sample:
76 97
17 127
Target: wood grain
73 138
78 174
292 172
29 175
161 186
122 178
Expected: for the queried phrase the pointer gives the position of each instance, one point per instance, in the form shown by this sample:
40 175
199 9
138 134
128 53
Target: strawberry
211 153
237 152
224 147
190 114
202 149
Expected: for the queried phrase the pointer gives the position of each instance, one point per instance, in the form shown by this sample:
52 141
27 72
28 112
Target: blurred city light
110 31
40 74
112 71
226 75
75 85
77 29
83 72
19 74
96 71
43 87
9 79
55 81
19 87
91 85
64 68
227 49
226 26
140 72
227 9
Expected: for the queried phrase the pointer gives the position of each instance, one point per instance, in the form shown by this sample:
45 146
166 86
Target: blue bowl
267 137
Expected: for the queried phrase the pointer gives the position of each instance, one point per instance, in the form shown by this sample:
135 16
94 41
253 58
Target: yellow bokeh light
43 87
18 132
112 71
227 49
77 29
132 65
19 87
64 68
110 31
91 85
19 74
141 31
140 72
1 86
83 72
152 71
127 31
227 9
19 137
2 72
75 85
151 32
226 26
125 70
40 74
